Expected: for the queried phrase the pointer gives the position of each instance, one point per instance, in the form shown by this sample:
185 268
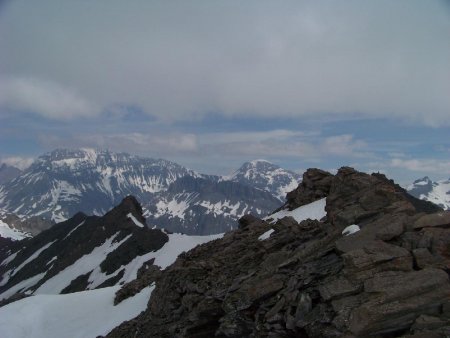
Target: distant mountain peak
266 176
437 192
259 161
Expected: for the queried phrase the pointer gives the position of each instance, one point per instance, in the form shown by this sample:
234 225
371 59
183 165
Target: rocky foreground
307 279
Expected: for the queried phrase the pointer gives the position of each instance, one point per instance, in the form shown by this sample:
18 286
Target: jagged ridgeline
376 265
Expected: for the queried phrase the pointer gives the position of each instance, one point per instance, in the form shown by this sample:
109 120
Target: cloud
181 60
153 144
19 162
283 144
435 166
43 97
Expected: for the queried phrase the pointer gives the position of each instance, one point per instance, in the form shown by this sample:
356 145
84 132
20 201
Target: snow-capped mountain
195 205
61 183
437 192
266 176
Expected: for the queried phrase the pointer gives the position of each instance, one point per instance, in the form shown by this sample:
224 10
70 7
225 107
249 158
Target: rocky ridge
283 278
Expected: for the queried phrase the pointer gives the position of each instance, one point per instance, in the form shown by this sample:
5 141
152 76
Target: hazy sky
210 84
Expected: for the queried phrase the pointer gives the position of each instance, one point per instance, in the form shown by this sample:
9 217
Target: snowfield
266 235
85 314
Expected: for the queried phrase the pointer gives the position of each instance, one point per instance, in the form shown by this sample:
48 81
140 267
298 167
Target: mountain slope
436 192
7 173
266 176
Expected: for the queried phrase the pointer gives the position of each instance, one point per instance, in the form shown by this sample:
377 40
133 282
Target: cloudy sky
211 84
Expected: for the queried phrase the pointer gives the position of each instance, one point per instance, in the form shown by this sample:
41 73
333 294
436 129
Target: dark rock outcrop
316 184
389 279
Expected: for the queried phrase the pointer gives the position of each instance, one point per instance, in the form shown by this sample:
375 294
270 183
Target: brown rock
399 298
433 220
338 288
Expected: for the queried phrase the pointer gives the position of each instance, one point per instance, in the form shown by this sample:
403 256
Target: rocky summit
375 265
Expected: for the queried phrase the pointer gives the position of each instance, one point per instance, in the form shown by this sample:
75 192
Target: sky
212 84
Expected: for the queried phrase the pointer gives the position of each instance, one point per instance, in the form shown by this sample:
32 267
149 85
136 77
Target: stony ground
390 279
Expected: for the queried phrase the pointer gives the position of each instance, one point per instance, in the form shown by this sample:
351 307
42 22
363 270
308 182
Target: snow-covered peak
259 162
266 176
437 192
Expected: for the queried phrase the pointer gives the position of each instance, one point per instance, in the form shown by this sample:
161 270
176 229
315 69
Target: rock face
389 279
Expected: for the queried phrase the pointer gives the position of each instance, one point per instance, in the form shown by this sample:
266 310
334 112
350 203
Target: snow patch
351 229
8 232
10 258
32 257
135 221
266 235
314 211
176 245
71 231
21 287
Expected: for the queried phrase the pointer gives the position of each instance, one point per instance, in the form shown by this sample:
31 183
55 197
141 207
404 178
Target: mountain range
59 184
